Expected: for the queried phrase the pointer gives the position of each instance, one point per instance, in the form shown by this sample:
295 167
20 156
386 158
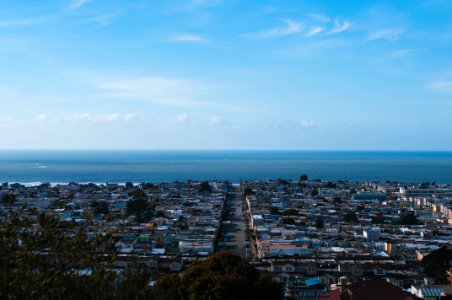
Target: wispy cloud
339 27
23 22
307 124
42 117
391 34
441 86
205 2
155 89
97 119
314 31
74 4
188 38
290 27
6 120
104 19
318 17
181 118
217 121
403 52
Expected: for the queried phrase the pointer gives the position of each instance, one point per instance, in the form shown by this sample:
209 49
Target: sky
226 74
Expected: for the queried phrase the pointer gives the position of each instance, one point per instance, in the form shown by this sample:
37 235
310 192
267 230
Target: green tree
221 276
9 198
303 177
319 223
378 218
408 218
204 187
290 212
314 192
47 263
437 263
99 207
350 217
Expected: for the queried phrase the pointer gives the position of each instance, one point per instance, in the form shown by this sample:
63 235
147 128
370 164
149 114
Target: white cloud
42 117
6 120
182 118
217 121
441 86
188 38
315 30
90 119
339 27
105 19
159 90
74 4
23 22
291 27
385 34
205 2
307 123
319 17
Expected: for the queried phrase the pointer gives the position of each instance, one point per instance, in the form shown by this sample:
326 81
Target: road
234 237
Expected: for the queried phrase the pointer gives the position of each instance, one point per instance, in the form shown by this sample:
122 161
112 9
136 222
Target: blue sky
220 74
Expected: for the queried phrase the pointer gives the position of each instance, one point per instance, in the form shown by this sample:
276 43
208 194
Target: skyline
212 74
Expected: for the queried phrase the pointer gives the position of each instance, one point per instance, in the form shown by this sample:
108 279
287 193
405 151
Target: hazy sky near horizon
226 74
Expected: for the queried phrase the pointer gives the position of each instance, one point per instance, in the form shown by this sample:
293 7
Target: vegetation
221 276
9 198
48 264
350 217
99 207
304 177
139 206
204 187
408 218
52 262
319 223
437 263
378 218
290 212
314 192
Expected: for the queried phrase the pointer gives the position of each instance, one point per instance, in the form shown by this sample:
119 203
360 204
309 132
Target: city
315 237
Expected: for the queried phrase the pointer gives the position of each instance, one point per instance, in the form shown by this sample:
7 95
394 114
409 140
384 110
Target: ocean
162 166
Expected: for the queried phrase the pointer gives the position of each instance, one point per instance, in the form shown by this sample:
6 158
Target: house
368 290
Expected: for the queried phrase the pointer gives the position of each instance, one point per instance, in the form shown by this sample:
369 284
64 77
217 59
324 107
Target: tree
129 185
337 200
248 191
437 263
319 223
290 212
314 192
138 194
9 198
304 177
221 276
204 187
141 209
408 218
378 218
46 263
99 207
350 217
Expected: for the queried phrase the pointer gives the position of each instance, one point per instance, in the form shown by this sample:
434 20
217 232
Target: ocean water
161 166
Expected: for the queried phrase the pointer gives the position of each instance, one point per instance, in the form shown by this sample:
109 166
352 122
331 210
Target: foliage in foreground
437 263
221 276
53 260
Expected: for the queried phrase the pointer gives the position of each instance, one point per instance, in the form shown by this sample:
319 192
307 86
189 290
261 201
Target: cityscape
317 238
226 150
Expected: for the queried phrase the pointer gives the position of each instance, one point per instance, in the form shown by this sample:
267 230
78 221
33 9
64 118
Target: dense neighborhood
319 239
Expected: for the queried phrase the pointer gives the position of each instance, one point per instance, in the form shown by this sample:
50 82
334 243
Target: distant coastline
119 166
